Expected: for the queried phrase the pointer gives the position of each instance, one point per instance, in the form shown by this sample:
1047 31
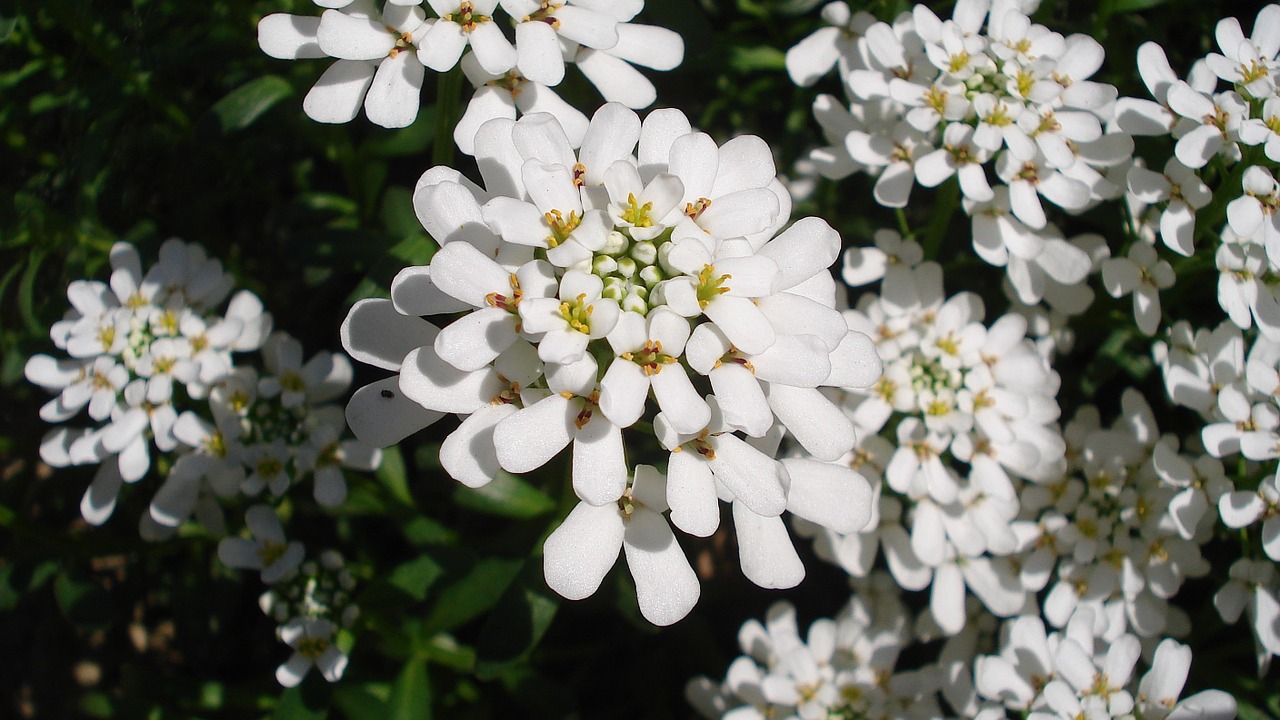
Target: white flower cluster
850 667
644 265
962 417
151 360
382 56
313 605
1239 127
984 96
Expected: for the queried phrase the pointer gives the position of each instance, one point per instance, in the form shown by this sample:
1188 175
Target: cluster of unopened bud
631 269
320 589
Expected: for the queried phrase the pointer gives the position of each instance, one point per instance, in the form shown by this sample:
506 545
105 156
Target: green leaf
81 600
416 576
398 215
756 59
239 108
473 594
6 28
411 693
422 530
508 496
391 473
299 704
367 700
517 623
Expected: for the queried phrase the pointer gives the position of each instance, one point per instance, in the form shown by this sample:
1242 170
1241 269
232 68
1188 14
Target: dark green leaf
473 594
415 576
393 477
508 496
756 59
240 107
411 694
297 704
367 700
517 623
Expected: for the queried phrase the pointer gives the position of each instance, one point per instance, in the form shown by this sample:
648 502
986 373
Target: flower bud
644 252
615 244
627 267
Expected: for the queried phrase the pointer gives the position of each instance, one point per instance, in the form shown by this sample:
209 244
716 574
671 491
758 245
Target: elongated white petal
666 585
599 465
579 553
529 438
380 415
691 494
765 551
469 454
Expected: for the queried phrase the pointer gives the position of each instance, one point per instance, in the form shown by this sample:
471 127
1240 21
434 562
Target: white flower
312 640
1160 687
469 22
376 63
579 553
1185 193
1143 274
269 551
1265 130
1252 588
1248 63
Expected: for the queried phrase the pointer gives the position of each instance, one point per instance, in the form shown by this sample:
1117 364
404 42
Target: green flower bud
651 276
635 303
626 267
604 265
615 244
644 252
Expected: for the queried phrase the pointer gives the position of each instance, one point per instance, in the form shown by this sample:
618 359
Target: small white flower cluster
382 56
141 348
848 667
986 95
152 362
1233 387
1076 673
313 606
963 415
644 265
1213 129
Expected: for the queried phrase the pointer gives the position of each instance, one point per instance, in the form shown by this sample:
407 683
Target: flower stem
948 200
447 91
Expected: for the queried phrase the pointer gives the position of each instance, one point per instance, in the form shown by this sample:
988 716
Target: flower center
577 313
561 227
312 648
650 357
635 214
467 17
270 551
509 303
710 286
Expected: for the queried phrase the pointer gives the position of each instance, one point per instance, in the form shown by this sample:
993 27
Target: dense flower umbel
1003 105
153 363
382 56
644 265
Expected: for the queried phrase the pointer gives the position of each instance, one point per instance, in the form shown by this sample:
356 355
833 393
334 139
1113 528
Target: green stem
904 227
448 91
948 201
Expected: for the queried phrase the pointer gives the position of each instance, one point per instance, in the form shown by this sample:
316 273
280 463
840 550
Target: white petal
379 414
599 465
393 98
765 551
822 428
666 585
830 495
579 553
548 420
337 95
691 493
468 454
